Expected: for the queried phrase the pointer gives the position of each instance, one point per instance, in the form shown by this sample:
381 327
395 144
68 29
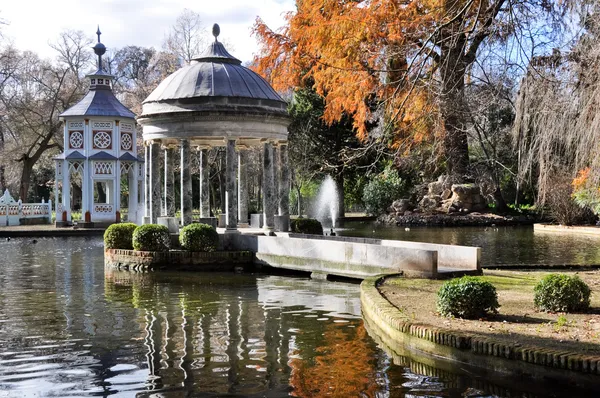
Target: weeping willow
557 121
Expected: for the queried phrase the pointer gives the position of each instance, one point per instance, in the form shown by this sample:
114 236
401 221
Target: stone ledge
177 259
536 361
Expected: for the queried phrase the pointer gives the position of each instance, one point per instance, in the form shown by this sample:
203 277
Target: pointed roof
100 99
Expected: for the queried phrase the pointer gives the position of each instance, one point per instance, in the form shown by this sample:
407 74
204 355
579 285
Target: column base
146 220
232 231
269 231
282 223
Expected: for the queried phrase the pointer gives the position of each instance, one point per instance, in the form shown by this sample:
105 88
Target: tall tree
186 38
33 98
411 60
317 148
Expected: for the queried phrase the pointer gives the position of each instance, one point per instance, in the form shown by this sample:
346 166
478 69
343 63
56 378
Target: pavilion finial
99 49
216 31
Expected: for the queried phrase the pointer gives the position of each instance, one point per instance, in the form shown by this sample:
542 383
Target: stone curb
381 312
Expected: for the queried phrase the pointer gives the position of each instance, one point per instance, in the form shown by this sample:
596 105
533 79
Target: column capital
281 143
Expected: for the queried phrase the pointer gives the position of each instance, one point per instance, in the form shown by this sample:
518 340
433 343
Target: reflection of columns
269 204
284 183
186 184
243 186
169 205
204 188
230 197
155 181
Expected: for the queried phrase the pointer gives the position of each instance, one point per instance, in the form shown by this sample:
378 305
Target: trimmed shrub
199 238
151 238
467 297
119 236
306 226
561 293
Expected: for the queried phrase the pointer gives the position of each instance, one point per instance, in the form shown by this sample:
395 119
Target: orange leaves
581 179
344 48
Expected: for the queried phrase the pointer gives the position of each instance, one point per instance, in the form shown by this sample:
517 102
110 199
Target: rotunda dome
215 96
210 76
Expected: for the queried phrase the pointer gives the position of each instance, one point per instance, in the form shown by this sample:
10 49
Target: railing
15 212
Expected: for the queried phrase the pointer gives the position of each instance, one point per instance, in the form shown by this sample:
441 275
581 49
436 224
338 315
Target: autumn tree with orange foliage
408 61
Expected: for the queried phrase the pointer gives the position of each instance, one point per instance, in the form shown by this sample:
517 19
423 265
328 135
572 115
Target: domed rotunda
213 102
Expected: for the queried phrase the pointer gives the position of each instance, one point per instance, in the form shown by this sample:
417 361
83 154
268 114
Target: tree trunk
452 105
25 178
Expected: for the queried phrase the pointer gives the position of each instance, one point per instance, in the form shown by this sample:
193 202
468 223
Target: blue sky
32 24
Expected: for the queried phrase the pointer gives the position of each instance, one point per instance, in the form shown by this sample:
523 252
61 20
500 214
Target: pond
70 328
500 246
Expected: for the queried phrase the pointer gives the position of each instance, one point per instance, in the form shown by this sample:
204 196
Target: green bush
381 191
561 293
306 226
467 297
152 238
199 238
119 236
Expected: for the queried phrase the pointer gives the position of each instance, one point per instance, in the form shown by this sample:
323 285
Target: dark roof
216 52
128 157
99 102
103 156
214 73
75 155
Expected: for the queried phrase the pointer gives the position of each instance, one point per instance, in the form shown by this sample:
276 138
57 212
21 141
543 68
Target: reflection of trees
342 366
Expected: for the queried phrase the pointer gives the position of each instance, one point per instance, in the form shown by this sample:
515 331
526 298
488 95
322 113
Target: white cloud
35 23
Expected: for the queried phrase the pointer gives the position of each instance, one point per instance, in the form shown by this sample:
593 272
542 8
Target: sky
32 24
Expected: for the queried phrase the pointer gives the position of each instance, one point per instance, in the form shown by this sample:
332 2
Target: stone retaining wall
463 258
337 257
197 261
396 329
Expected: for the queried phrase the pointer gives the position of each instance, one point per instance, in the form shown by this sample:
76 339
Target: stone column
284 183
154 181
147 192
66 191
186 184
85 188
230 196
204 187
269 205
243 186
276 176
132 205
169 194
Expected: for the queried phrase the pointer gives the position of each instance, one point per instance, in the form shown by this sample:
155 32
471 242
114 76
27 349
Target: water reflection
70 328
500 245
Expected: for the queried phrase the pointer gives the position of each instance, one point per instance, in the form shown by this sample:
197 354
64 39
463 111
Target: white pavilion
100 151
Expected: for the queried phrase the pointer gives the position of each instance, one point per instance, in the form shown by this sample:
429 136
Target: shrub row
470 297
153 237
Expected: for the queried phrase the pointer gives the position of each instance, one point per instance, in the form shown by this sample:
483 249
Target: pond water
502 246
70 328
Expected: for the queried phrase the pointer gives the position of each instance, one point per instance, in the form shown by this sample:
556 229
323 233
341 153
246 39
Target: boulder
430 203
401 205
446 194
